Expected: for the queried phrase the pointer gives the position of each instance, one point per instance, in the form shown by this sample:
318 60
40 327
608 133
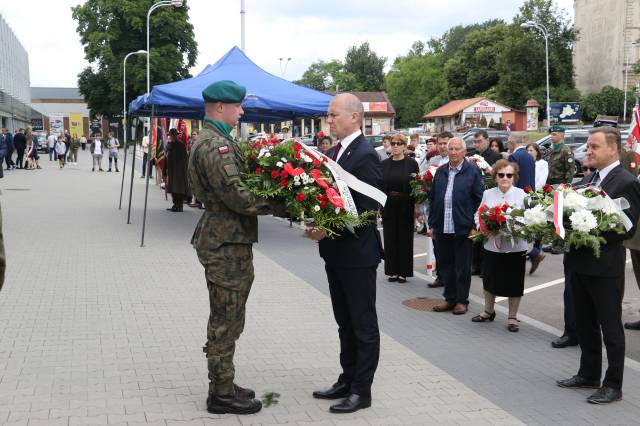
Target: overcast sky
305 31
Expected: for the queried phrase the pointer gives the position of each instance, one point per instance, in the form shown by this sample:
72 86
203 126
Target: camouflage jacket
562 166
215 168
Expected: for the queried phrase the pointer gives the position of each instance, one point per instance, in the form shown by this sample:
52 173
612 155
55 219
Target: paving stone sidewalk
97 330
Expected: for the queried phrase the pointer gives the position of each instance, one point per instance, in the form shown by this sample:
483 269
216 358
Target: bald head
345 115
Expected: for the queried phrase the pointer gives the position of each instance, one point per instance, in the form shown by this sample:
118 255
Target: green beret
557 128
225 91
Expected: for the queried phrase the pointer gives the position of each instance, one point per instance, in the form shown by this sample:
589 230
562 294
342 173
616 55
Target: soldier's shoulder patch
223 149
231 170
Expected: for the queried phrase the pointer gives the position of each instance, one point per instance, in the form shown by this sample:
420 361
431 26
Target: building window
368 126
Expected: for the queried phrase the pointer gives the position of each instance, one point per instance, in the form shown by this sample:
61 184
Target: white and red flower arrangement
421 185
302 181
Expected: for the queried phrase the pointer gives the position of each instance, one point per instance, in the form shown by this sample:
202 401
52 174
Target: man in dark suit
526 163
454 198
598 281
351 262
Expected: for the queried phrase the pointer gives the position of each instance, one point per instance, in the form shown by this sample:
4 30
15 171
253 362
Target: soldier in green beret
223 240
562 166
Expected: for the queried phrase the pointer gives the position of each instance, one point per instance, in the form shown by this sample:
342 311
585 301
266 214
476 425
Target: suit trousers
598 305
353 297
454 264
569 307
635 262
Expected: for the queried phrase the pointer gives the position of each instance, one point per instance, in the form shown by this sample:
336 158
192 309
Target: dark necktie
595 180
336 152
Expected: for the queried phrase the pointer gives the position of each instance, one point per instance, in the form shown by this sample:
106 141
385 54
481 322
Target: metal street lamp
174 3
124 121
543 30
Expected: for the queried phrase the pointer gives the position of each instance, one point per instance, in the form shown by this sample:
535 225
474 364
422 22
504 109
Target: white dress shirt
515 198
604 172
542 172
344 143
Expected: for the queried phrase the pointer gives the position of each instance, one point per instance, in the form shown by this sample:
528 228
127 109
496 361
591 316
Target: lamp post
174 3
124 120
543 30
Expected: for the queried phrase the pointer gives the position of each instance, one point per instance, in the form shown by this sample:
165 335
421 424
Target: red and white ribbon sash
558 212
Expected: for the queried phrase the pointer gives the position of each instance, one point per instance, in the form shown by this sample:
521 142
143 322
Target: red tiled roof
452 108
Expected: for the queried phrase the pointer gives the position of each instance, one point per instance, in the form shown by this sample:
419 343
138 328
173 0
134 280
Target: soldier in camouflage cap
562 166
223 240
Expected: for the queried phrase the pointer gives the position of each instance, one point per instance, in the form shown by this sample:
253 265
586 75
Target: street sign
565 112
37 125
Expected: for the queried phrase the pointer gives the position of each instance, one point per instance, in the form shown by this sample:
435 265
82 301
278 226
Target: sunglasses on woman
396 143
503 175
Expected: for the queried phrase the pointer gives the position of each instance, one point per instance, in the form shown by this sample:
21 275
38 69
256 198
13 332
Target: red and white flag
633 141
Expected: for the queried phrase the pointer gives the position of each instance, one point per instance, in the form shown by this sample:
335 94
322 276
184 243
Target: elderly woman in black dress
398 212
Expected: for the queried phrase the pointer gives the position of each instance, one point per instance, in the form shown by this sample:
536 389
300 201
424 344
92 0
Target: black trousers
569 307
598 304
454 263
8 159
146 165
353 297
20 158
178 200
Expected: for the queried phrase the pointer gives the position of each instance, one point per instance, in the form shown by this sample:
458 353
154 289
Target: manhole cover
422 303
17 189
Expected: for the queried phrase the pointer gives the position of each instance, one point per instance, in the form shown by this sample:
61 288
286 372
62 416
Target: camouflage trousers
229 273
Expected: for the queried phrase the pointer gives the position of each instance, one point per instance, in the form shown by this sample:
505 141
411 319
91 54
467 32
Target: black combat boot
232 404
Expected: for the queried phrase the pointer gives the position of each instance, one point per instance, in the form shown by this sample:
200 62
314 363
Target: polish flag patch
223 149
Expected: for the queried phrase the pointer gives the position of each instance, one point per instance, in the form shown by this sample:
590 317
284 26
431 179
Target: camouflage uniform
562 166
223 240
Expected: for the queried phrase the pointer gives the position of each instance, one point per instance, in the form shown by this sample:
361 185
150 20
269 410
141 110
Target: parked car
580 152
307 139
374 140
573 138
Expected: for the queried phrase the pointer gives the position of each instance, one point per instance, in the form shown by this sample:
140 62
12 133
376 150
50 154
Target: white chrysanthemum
284 160
575 201
297 183
535 216
316 208
280 164
583 221
268 154
337 210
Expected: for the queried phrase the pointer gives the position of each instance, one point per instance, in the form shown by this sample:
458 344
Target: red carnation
547 188
504 207
275 174
418 177
258 170
428 176
297 155
335 198
500 219
323 204
284 174
527 189
316 163
602 194
300 197
283 183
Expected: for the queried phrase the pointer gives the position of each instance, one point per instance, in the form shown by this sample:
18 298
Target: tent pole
133 170
124 166
146 191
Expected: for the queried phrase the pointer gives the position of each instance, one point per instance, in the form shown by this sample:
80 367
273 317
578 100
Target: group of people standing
595 285
22 142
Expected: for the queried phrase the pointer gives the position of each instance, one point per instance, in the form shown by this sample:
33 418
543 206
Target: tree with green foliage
609 101
366 66
328 76
109 30
415 83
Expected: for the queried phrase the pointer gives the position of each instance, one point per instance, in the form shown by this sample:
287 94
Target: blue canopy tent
269 98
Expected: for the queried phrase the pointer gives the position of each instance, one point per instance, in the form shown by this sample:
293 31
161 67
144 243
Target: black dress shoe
605 395
564 341
632 325
353 402
338 390
232 404
577 382
392 279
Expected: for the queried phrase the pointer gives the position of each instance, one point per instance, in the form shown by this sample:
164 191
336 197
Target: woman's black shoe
481 318
392 279
402 280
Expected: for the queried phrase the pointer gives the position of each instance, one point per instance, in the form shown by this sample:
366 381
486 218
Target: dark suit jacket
527 166
611 263
490 156
468 187
365 248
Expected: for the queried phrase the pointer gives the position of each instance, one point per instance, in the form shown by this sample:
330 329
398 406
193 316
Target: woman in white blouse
542 167
504 258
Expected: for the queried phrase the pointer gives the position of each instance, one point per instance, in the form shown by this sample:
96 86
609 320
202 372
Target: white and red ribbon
558 212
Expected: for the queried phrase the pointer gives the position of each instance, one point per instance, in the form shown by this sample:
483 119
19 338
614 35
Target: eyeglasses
503 175
396 143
